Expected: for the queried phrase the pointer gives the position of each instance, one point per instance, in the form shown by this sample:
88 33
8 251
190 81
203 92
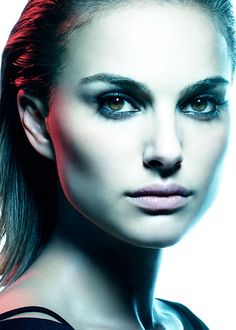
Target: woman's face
139 120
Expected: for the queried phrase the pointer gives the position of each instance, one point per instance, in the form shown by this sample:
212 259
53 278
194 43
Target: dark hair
32 60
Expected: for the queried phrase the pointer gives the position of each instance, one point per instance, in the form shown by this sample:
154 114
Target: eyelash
116 114
218 104
217 101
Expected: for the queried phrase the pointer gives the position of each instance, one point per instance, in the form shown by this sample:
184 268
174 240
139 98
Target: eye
201 105
204 107
115 103
117 106
118 103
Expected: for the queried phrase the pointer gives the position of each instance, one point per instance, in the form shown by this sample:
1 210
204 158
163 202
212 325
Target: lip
160 197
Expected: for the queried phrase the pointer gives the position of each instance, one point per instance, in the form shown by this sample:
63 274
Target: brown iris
199 105
115 103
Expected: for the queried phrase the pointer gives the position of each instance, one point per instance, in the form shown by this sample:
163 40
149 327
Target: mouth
159 198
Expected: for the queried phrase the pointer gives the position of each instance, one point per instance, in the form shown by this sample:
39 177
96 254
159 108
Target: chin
153 242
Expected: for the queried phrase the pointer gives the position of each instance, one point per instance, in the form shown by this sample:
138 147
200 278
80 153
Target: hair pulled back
32 60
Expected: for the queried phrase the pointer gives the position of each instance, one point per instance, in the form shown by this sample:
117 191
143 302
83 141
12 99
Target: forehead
149 43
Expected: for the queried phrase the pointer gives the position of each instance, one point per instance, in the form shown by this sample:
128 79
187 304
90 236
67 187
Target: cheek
205 148
93 152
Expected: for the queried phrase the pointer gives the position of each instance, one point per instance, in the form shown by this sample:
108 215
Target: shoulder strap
29 309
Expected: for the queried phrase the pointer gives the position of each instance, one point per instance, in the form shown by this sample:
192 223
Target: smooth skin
100 268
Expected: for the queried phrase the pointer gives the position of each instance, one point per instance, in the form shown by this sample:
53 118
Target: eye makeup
116 97
107 101
117 105
111 83
204 107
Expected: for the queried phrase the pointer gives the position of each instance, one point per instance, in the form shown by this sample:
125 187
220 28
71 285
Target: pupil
116 103
199 105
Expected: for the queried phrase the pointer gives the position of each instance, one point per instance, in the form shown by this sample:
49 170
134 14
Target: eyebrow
125 82
203 86
119 81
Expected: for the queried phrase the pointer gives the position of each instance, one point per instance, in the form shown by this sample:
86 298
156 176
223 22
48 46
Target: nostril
154 164
164 165
178 164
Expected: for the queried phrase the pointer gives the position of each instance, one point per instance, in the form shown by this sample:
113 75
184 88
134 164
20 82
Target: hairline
80 19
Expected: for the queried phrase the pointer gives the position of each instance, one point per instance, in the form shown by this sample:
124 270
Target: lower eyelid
116 115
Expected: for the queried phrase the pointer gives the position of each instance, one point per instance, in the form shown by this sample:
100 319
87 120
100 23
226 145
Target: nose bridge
164 141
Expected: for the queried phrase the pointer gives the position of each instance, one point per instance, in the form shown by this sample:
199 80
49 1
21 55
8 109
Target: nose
163 148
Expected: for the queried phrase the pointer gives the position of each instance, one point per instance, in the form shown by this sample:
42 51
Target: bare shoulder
21 294
18 294
13 296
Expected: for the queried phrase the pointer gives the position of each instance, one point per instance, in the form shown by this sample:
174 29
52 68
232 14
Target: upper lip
161 190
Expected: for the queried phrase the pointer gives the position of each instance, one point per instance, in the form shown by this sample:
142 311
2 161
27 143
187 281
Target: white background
199 271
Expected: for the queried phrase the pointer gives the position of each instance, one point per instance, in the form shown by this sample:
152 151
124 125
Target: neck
115 278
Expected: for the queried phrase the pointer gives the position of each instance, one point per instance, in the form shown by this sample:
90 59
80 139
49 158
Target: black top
190 321
29 323
32 323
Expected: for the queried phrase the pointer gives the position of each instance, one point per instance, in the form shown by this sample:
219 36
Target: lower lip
160 203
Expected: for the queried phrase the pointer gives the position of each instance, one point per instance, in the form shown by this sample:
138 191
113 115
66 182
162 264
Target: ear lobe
32 113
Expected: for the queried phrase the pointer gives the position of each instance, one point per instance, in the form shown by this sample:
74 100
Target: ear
32 113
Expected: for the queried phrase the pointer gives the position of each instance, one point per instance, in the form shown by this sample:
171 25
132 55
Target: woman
114 123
